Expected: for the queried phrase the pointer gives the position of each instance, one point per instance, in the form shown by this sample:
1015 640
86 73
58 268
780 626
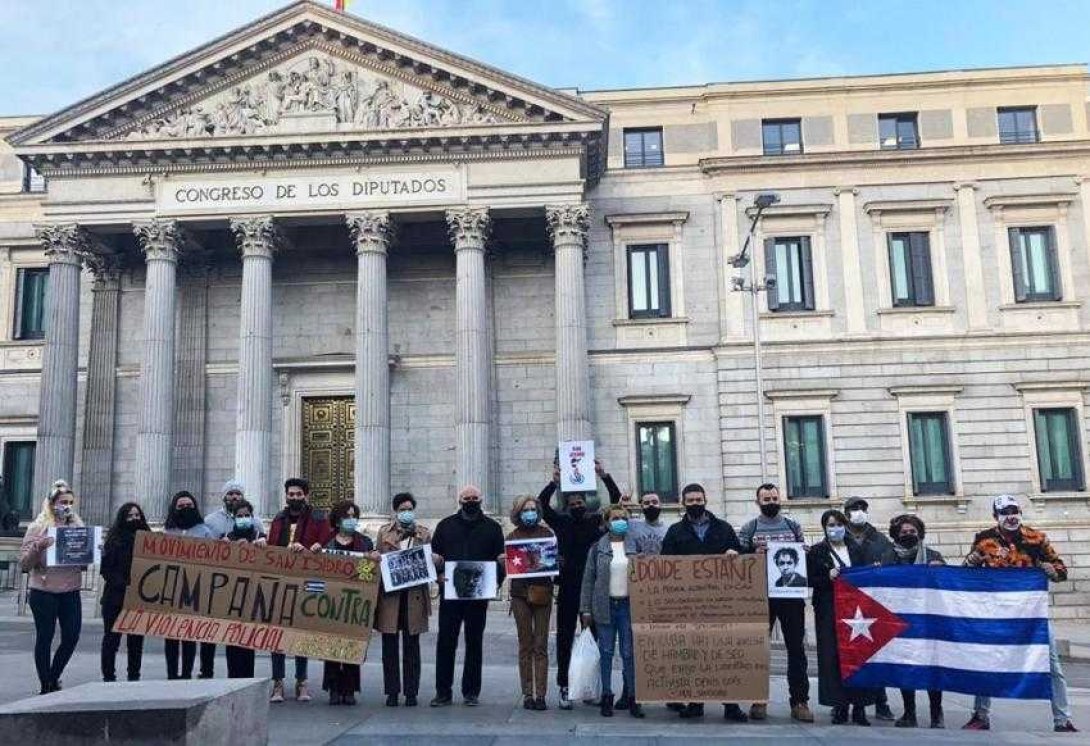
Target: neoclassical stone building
318 246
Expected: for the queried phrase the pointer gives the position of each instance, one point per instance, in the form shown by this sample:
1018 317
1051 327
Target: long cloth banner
264 598
700 627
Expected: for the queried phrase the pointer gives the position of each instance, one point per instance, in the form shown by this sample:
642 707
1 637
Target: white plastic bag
584 676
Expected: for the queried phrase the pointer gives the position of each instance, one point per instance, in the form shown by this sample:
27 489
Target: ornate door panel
328 449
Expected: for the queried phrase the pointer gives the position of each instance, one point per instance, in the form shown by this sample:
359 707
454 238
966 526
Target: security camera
770 281
738 283
765 199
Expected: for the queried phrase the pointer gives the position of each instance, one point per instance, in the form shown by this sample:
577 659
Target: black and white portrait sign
409 567
469 581
786 569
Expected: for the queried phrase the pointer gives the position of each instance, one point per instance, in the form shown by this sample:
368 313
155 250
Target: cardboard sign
74 546
786 568
409 567
577 466
531 558
265 598
700 628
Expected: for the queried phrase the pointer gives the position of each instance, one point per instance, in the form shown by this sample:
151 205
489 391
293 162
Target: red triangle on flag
863 626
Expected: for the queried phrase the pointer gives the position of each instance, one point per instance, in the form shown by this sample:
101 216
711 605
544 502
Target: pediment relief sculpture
315 93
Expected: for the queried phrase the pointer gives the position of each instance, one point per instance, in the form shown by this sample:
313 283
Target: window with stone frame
1034 265
898 131
805 457
789 260
781 136
33 182
656 460
649 281
1059 452
31 288
18 487
1018 124
929 451
910 277
643 147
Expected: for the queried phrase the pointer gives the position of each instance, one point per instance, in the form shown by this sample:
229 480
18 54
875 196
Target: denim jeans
619 625
1061 711
278 667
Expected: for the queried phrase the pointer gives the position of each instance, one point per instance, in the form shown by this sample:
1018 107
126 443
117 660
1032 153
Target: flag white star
516 561
860 625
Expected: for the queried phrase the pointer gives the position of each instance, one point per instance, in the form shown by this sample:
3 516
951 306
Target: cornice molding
907 205
646 218
1001 201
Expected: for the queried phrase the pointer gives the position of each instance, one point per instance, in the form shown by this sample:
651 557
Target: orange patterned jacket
1027 548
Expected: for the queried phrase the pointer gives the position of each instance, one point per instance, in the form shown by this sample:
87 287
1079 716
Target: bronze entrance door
328 449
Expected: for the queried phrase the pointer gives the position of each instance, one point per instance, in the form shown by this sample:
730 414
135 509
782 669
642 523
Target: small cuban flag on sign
314 586
956 629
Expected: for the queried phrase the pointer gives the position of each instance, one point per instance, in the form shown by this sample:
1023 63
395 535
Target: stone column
567 225
976 299
161 241
469 228
258 239
854 307
100 395
190 380
371 235
56 450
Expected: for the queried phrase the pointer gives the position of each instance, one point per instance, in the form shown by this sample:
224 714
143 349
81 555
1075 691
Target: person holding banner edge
115 569
576 530
184 519
402 613
244 528
54 591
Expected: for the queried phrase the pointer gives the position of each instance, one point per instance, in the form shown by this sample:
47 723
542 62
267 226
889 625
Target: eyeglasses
1012 510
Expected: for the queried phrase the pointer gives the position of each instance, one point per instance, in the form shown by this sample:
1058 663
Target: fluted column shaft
56 450
161 241
258 239
469 228
567 226
190 379
370 235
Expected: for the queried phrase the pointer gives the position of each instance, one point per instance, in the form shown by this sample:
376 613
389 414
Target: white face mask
858 517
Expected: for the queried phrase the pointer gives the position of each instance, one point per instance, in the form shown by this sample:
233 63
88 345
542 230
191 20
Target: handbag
539 594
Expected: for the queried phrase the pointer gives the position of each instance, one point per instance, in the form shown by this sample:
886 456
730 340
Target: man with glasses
1011 544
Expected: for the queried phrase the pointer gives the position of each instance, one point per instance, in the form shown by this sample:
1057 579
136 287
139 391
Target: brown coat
419 600
518 585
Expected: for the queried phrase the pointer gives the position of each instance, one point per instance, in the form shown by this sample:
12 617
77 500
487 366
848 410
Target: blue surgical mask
529 517
835 533
406 517
349 525
618 526
244 523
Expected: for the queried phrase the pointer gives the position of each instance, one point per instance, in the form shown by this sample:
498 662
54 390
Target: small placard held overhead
577 466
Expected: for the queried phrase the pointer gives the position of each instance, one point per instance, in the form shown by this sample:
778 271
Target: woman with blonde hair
54 591
532 605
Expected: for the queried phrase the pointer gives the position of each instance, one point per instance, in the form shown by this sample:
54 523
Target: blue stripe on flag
1030 631
979 579
990 684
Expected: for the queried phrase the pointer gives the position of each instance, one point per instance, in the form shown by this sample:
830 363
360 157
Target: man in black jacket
700 532
467 535
576 530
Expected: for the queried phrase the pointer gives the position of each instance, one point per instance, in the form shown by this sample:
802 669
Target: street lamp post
749 285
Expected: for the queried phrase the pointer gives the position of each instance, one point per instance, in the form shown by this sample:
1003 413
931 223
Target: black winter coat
460 538
115 569
681 538
574 537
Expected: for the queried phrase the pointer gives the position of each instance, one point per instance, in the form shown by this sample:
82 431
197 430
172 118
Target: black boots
607 706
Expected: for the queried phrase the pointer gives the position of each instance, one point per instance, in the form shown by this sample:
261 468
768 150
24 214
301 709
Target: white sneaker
565 703
302 694
277 691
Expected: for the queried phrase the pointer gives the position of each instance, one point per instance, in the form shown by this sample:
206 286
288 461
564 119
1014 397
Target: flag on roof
955 629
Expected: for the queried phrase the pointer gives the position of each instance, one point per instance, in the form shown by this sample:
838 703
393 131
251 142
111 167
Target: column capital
258 236
106 268
568 223
469 227
161 239
64 243
370 231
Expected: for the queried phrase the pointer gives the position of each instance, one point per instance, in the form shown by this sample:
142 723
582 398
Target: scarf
905 553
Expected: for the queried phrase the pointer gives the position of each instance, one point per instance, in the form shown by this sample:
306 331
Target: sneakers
907 721
882 712
605 708
470 700
758 711
801 712
734 713
859 716
976 722
441 700
540 705
565 701
302 694
277 695
1066 727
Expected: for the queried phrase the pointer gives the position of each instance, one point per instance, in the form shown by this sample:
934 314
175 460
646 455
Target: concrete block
233 711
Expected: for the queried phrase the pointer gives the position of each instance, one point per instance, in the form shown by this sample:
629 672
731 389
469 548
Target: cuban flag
955 629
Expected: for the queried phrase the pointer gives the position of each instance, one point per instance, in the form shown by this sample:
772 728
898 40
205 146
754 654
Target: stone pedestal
567 226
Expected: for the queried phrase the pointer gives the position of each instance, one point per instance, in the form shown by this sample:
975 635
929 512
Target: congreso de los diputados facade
317 246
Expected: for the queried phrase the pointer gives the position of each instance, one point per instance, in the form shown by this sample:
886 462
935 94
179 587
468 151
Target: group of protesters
591 590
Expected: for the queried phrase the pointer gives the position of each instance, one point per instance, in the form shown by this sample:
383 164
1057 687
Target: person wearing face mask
469 534
604 603
247 529
403 613
300 528
576 530
532 607
700 532
872 544
907 532
115 568
184 519
222 521
54 591
1010 543
647 534
824 562
755 534
342 680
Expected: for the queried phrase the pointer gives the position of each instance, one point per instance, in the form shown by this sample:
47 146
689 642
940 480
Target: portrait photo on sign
409 567
74 546
576 459
465 580
531 558
786 569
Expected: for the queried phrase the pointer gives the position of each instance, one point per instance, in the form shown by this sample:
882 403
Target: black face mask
770 510
578 513
131 524
472 509
695 512
909 542
187 517
296 506
652 514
